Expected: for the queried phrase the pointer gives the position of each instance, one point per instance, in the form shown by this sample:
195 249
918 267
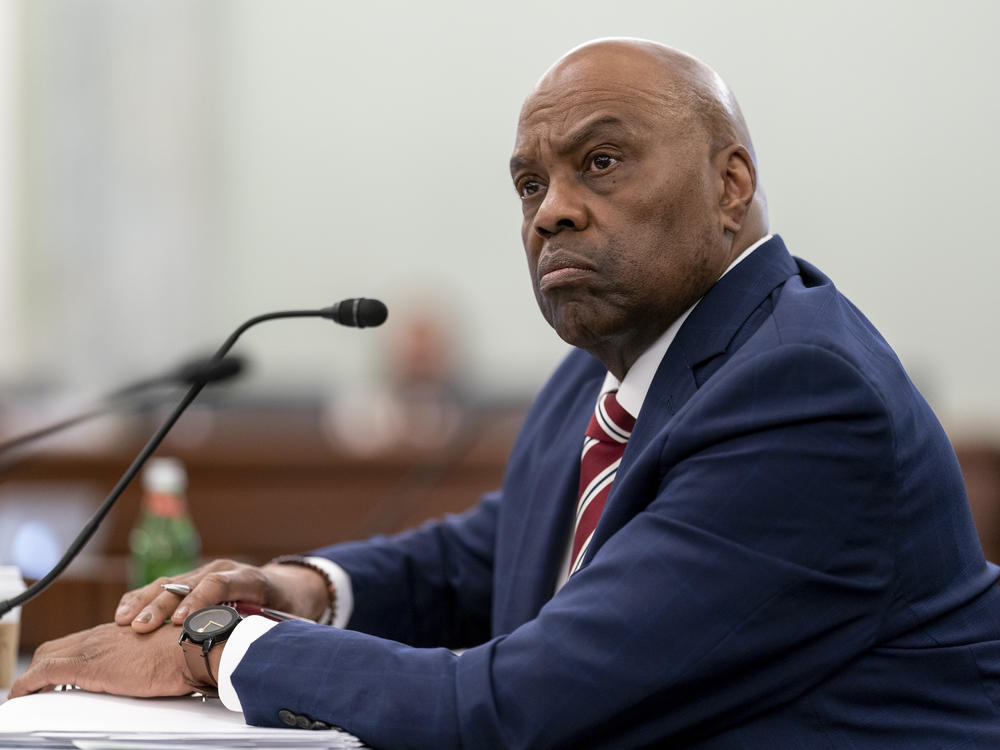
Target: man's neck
634 383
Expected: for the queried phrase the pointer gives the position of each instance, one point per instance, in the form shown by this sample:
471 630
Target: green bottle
163 541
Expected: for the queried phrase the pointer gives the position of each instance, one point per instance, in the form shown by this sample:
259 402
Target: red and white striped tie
607 434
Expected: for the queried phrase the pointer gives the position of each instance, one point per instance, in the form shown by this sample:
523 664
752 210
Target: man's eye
527 188
603 161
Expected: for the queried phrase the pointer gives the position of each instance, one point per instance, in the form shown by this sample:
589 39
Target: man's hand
289 588
109 659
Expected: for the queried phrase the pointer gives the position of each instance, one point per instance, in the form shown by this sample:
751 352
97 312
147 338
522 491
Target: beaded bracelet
331 608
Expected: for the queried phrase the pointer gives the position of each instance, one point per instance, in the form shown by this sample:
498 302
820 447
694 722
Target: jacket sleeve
757 563
429 586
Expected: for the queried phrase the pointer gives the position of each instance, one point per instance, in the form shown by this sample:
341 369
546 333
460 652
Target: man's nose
562 208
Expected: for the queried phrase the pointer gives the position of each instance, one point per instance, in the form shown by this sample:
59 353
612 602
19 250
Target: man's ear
739 183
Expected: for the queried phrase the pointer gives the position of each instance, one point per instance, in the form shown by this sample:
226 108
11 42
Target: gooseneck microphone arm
195 371
358 313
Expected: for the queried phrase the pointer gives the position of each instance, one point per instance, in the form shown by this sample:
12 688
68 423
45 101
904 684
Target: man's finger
169 606
247 584
214 588
28 684
161 610
133 602
41 676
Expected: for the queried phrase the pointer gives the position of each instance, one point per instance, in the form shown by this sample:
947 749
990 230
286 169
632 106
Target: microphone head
358 312
209 370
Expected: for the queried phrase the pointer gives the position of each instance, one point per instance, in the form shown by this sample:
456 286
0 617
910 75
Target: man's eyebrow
518 163
589 129
577 138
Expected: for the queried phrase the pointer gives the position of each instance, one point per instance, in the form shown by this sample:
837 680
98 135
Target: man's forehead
603 76
564 120
569 115
571 103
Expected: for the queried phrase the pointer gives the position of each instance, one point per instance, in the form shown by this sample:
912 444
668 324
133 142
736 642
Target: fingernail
179 614
123 609
144 616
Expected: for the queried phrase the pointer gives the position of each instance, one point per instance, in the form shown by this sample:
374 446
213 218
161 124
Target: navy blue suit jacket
786 560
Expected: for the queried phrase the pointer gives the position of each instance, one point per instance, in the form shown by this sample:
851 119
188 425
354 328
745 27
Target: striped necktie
607 434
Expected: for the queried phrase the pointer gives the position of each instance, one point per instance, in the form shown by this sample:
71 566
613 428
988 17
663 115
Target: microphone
202 370
358 313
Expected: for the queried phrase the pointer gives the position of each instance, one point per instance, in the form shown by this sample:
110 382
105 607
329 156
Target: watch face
207 622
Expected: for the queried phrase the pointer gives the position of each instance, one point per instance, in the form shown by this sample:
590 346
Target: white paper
95 721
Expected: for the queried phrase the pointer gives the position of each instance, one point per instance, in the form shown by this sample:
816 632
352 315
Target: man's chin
581 325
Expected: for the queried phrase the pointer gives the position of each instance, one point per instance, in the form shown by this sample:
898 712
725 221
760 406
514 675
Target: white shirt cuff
237 644
342 585
255 626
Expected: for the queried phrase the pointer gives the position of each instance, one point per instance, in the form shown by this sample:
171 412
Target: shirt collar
633 389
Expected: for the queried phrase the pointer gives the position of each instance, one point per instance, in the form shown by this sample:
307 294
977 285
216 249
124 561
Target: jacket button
287 717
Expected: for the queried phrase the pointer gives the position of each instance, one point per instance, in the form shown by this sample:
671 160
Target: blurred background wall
172 167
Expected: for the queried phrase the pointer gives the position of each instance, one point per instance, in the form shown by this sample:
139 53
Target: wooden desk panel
263 486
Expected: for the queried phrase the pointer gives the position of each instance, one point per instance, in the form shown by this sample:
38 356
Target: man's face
621 225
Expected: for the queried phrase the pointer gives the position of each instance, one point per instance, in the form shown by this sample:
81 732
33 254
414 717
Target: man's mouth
558 271
563 277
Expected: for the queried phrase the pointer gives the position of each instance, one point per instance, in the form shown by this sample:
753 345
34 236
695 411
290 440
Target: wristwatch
202 630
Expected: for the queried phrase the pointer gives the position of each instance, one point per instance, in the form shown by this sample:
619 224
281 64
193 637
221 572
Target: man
782 556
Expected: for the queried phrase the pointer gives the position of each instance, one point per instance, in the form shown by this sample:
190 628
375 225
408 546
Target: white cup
11 584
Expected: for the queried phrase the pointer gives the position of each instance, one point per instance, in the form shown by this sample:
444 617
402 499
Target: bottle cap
164 475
